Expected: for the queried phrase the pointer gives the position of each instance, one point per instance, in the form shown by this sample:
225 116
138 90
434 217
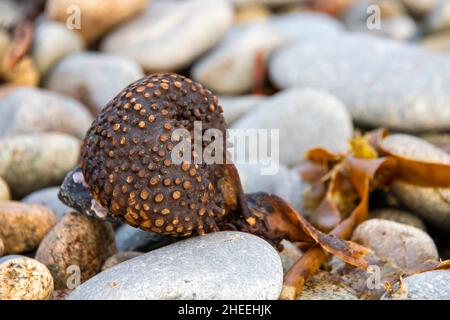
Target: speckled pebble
431 204
49 198
32 110
80 241
33 162
22 278
84 75
404 245
23 226
219 265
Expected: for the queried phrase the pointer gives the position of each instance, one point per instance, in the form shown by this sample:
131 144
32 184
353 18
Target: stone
22 278
439 17
80 241
289 255
404 245
234 107
393 20
32 110
419 7
134 239
84 75
32 162
60 294
431 285
23 226
53 41
49 198
412 95
5 193
96 17
399 216
305 118
296 26
228 69
219 265
286 183
325 286
74 192
10 13
24 72
431 204
440 140
251 13
119 258
170 35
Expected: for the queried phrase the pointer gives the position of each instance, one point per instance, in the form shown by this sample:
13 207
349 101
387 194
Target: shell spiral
126 157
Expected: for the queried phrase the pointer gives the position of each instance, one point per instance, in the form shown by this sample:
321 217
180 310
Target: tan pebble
119 258
23 226
22 278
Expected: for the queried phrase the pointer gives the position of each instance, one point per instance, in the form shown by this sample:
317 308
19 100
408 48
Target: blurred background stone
53 41
170 34
305 118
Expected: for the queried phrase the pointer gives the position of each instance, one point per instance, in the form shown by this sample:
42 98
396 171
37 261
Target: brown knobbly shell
77 240
126 157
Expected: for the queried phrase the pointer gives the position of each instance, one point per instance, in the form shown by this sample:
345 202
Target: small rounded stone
143 157
22 278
